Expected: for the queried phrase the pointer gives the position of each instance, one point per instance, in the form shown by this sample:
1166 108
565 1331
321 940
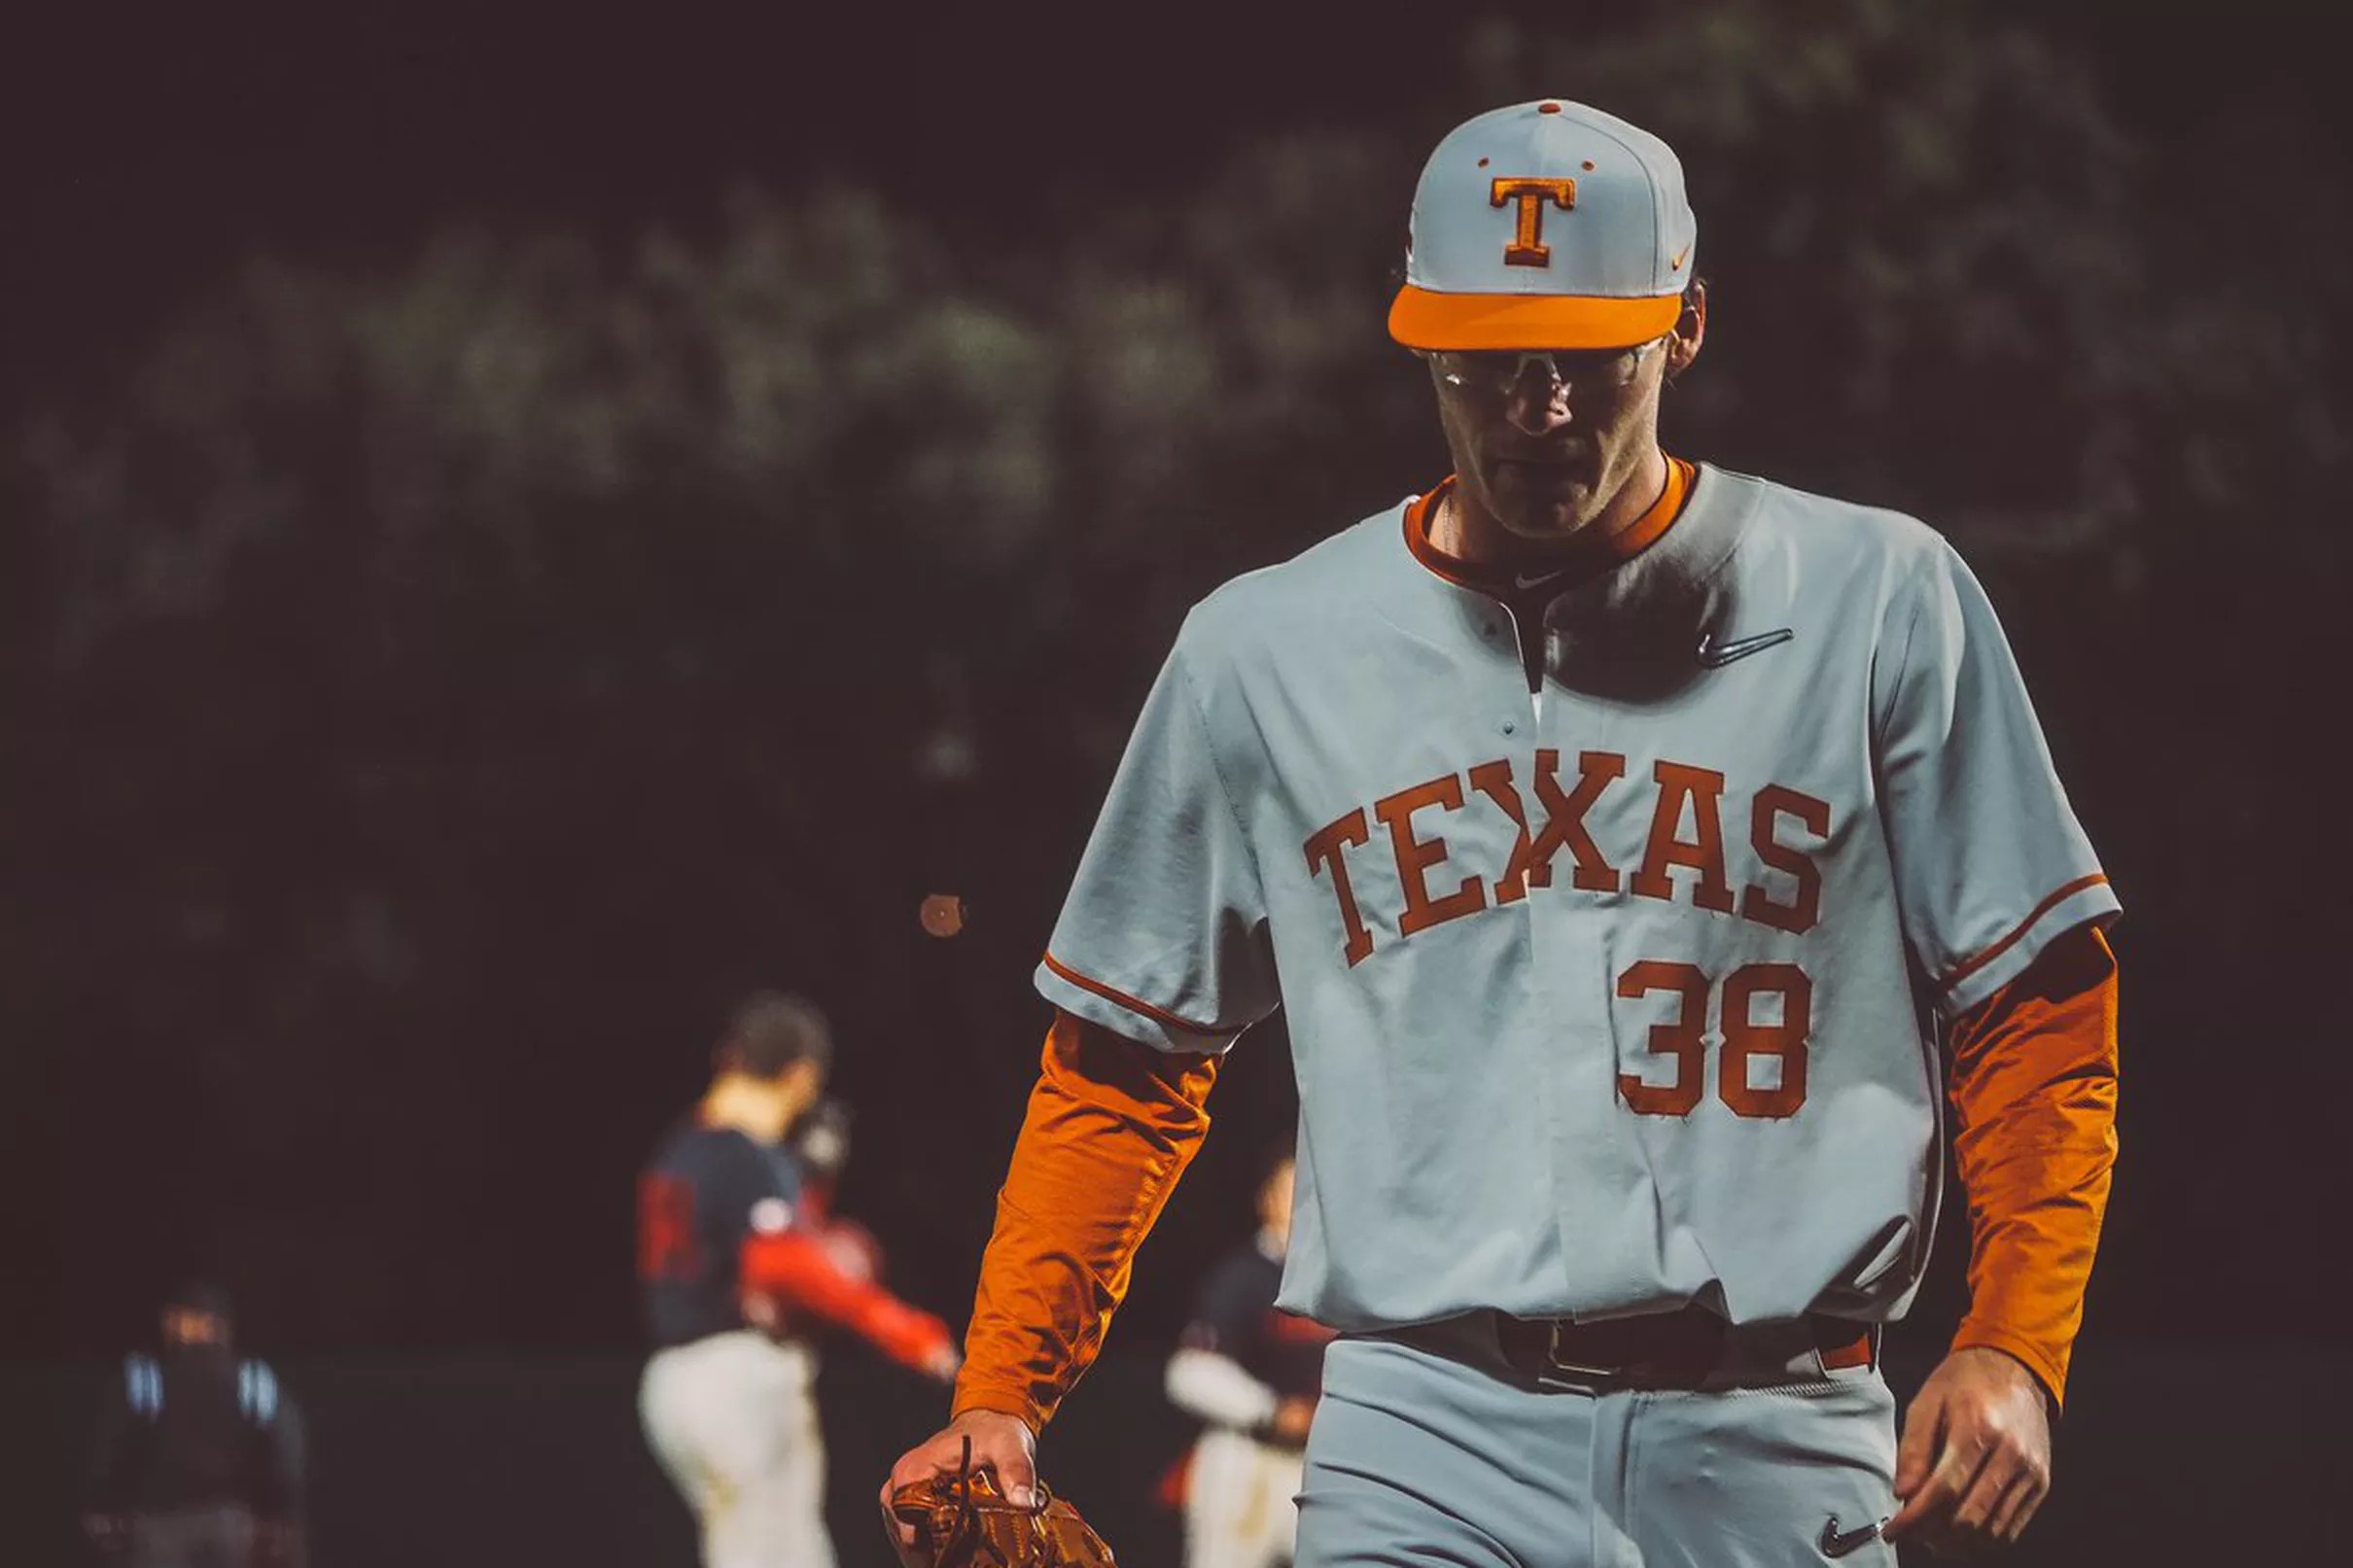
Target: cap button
1548 108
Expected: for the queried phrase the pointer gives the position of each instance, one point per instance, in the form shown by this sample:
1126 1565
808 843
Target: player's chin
1546 504
1538 483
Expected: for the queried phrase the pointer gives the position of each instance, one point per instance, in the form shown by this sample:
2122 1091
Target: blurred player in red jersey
1252 1374
737 1255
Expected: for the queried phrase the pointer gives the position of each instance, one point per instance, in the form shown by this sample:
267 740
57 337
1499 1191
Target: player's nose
1536 410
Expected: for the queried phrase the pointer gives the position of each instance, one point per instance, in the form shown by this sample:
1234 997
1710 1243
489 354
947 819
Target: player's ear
808 1078
1690 330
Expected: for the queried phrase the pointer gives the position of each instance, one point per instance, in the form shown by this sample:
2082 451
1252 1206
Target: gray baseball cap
1547 225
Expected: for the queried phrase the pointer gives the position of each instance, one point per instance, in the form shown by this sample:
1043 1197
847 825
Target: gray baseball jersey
1619 995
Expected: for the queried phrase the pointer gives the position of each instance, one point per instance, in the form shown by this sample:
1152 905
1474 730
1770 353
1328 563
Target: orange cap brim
1421 318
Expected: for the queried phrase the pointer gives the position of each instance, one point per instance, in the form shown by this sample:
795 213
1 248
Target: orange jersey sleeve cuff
1110 1127
2034 1089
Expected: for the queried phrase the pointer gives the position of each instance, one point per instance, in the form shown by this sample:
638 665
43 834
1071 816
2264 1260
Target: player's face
1545 447
188 1325
804 1085
1543 458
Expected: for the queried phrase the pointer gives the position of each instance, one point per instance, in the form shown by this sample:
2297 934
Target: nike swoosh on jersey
1835 1545
1714 655
1519 581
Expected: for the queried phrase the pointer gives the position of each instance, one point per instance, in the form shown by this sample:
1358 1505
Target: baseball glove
962 1521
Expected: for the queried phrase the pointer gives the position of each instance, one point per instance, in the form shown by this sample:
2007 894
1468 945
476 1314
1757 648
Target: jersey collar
1685 557
1581 562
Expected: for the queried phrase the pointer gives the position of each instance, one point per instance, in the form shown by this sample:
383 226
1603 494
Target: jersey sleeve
1164 938
798 1267
1214 1387
1990 863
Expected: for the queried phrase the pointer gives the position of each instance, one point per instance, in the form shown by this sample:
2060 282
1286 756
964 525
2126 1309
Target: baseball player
1250 1372
1643 856
200 1452
736 1260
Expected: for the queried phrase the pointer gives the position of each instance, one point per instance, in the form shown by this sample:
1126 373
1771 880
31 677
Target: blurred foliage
452 682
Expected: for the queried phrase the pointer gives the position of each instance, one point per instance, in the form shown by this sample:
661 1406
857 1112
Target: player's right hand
1000 1442
1975 1459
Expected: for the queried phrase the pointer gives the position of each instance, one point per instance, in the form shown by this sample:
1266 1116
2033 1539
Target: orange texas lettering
1681 856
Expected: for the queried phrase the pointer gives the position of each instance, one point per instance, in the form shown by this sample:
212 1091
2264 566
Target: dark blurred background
518 533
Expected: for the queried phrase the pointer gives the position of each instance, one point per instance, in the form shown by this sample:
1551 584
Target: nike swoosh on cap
1714 655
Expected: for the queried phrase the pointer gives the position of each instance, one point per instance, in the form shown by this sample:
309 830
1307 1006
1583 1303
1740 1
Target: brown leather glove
962 1521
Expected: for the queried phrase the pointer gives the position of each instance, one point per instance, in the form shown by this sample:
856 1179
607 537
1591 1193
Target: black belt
1684 1349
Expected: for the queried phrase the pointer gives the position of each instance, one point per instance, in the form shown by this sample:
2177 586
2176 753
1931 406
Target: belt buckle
1559 1372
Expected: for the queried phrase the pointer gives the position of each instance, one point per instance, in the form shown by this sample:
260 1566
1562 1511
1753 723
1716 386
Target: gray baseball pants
733 1421
1442 1453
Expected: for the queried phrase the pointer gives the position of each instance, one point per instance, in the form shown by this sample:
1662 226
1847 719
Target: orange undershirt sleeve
2033 1088
1110 1127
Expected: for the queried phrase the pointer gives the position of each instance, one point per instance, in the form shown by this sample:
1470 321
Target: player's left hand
1975 1462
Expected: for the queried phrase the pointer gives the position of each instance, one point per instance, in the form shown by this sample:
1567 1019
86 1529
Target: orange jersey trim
1987 955
1133 1004
2033 1091
1589 557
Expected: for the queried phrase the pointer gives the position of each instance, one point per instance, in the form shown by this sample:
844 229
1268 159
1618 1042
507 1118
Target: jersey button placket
1593 1166
1499 629
1543 1047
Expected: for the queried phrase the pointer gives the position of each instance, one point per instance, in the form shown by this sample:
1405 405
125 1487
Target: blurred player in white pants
739 1258
1251 1374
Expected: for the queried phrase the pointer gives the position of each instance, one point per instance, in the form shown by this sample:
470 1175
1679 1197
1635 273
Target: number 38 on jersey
1763 1012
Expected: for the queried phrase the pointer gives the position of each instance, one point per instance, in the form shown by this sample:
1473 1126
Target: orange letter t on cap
1527 247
